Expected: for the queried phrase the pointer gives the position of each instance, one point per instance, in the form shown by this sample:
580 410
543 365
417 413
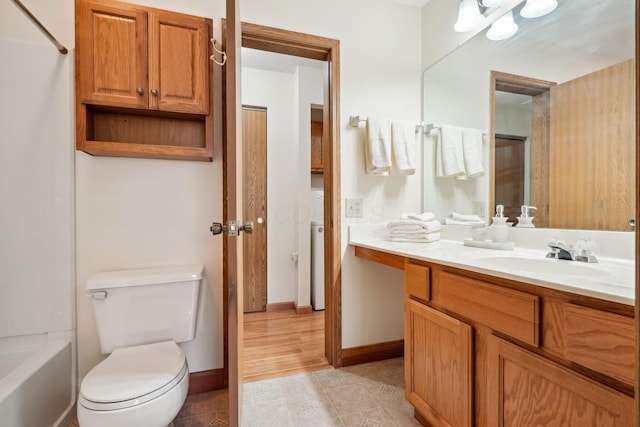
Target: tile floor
370 394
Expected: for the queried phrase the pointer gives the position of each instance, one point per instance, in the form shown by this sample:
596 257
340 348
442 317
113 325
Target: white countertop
611 279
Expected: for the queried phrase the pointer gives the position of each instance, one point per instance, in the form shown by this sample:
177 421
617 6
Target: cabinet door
316 147
111 44
178 63
527 390
438 366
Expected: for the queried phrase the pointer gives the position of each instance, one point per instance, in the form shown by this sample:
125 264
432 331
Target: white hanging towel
472 150
377 149
449 155
403 147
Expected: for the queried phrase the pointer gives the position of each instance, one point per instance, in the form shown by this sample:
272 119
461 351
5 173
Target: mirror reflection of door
254 131
510 174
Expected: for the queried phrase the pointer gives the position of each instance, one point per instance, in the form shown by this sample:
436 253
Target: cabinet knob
154 92
140 91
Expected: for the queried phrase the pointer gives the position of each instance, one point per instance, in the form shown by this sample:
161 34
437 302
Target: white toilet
141 315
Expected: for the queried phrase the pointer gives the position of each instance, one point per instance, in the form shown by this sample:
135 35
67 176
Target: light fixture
503 27
468 16
494 3
538 8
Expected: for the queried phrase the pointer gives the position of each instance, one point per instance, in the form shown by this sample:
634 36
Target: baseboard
203 381
372 353
303 309
280 306
290 305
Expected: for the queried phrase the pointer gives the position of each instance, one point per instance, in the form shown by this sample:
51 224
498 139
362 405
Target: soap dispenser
500 219
499 229
525 220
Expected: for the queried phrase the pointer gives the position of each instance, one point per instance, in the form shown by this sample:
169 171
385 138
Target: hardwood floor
282 343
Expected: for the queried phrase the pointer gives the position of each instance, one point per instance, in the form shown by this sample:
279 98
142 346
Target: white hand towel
472 152
465 217
451 221
424 225
432 237
425 216
378 146
450 153
412 234
403 147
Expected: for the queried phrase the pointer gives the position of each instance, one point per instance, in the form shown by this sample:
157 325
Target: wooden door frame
324 49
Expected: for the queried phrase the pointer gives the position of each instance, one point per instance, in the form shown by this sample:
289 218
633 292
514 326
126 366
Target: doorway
318 48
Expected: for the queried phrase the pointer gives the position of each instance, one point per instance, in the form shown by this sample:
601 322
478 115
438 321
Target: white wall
137 213
380 76
36 174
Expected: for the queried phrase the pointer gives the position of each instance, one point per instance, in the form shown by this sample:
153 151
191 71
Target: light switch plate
353 208
479 208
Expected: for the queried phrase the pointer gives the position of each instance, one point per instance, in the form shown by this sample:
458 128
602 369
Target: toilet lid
131 372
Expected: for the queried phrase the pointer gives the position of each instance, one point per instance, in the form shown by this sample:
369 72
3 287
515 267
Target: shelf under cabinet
133 133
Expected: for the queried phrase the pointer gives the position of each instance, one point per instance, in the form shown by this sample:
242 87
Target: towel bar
354 121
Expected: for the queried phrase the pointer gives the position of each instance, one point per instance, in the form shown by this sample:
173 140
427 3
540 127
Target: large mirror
556 104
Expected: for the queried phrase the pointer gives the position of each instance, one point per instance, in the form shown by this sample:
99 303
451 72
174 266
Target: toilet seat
132 376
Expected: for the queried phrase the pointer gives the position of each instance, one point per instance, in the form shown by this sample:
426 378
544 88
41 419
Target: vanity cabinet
142 82
491 352
438 365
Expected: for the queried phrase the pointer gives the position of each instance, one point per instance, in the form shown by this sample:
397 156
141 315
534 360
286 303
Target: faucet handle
584 250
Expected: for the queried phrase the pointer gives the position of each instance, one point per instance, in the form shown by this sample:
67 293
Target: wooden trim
303 309
395 261
280 306
372 353
637 243
204 381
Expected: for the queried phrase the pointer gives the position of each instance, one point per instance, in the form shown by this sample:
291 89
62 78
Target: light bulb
468 16
503 27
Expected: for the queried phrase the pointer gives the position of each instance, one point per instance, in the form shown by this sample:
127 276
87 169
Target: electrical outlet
353 208
478 207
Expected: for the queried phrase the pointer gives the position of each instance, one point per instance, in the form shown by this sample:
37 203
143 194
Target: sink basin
542 265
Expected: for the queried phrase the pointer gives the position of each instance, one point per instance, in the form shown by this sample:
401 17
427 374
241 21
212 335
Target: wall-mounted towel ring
213 57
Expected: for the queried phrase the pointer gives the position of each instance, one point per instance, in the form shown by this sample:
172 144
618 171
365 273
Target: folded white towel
449 154
432 237
451 221
403 142
412 234
430 226
465 217
472 152
425 216
378 146
405 228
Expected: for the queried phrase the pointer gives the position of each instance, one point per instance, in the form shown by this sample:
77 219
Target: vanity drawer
602 341
512 312
417 281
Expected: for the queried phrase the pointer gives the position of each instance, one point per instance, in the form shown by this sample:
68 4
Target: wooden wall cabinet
142 82
317 165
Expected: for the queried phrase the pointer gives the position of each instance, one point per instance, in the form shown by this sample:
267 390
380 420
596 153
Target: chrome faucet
582 251
560 250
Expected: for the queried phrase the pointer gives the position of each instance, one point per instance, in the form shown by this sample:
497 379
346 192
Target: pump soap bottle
525 220
499 230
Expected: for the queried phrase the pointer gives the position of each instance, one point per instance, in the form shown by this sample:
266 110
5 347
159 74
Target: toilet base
158 412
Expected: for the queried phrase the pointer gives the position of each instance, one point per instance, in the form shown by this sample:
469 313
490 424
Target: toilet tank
135 307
